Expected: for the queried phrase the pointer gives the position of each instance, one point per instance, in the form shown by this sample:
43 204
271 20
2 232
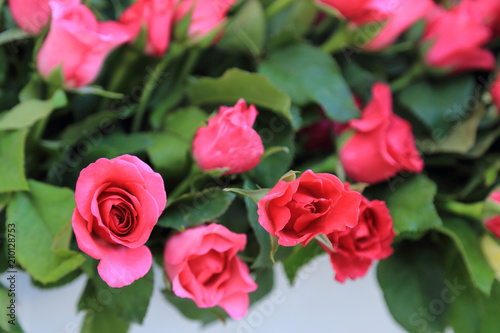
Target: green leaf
301 256
246 32
93 128
132 143
468 242
254 195
235 84
98 91
193 209
412 280
129 303
5 300
29 112
12 156
103 321
439 105
12 35
41 216
411 203
307 75
170 154
185 122
264 278
189 309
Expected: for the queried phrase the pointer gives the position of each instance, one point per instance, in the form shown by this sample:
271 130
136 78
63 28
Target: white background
317 303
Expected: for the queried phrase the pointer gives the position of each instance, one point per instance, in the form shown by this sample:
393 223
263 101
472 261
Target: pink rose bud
460 48
32 15
157 17
229 141
382 144
311 205
118 203
206 15
203 265
356 248
394 16
79 43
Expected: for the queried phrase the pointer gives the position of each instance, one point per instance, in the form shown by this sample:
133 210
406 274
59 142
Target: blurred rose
495 92
456 37
79 43
356 248
203 265
313 204
382 144
157 16
229 141
33 15
118 203
206 15
394 16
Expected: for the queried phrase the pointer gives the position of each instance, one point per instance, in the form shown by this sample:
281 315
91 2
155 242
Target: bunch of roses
79 43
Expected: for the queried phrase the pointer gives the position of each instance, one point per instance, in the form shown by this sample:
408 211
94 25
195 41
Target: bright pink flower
118 203
382 144
356 248
313 204
157 16
229 141
79 43
203 265
206 15
458 48
394 16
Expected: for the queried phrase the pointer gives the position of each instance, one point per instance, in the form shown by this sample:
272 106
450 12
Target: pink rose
311 205
79 43
118 203
31 15
460 48
203 265
229 141
394 16
157 16
356 248
382 144
205 17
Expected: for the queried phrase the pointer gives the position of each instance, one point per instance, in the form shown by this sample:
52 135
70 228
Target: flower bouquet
216 138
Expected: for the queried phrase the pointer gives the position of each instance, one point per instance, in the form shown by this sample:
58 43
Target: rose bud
311 205
356 248
382 144
460 48
203 265
157 16
79 43
32 15
229 141
118 203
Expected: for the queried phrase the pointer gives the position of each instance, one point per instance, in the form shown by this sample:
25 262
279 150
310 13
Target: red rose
206 15
369 240
313 204
460 48
394 16
382 144
202 264
79 43
229 141
157 16
118 203
493 223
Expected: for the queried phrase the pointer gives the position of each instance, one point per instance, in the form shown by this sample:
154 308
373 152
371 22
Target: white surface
317 303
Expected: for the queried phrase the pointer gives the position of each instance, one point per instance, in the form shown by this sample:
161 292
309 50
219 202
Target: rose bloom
394 16
157 16
458 49
118 203
356 248
206 15
229 141
382 144
203 265
79 43
313 204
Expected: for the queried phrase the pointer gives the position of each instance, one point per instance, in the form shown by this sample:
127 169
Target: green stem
276 6
174 52
119 76
185 184
338 40
471 210
415 72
